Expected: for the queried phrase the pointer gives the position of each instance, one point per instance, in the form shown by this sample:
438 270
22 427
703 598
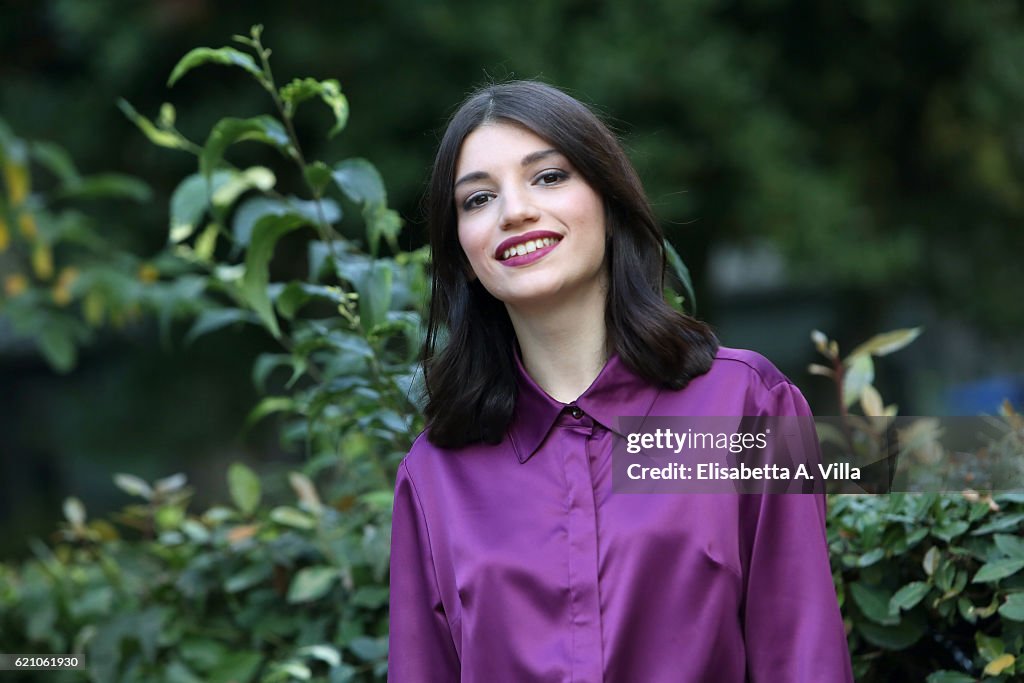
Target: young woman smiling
512 559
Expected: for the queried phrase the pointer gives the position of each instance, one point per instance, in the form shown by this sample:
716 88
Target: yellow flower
93 308
148 273
15 284
61 295
68 275
27 226
18 182
42 261
62 290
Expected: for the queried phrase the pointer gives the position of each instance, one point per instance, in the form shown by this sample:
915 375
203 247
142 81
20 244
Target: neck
564 347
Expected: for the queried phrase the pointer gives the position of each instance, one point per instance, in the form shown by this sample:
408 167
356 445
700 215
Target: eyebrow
527 160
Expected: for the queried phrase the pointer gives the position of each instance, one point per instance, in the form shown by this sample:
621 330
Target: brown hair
468 362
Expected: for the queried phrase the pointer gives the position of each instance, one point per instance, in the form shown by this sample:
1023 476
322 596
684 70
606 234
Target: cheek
471 242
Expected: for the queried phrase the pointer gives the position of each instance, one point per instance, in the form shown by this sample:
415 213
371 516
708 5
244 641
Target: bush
261 590
931 585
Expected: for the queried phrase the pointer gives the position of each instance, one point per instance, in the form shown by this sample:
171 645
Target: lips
527 243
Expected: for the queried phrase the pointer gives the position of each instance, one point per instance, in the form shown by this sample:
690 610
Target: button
576 412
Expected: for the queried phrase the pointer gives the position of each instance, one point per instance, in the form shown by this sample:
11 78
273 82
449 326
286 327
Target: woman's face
530 225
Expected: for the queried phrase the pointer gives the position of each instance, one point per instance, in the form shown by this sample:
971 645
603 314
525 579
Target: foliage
931 585
52 255
275 587
238 593
180 596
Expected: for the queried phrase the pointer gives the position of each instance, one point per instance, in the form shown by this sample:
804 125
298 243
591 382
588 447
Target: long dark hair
468 359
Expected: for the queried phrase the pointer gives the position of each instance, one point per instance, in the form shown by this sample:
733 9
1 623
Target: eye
551 177
476 200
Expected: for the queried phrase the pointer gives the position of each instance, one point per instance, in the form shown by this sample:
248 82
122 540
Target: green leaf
873 602
886 343
988 647
945 576
228 56
369 649
381 222
950 677
1013 608
871 557
1012 546
270 404
171 139
382 500
248 577
1005 523
289 516
931 560
374 295
238 182
56 160
895 637
227 131
288 670
58 347
235 667
297 92
682 274
202 653
133 486
860 372
267 231
318 175
297 294
1000 569
74 511
107 185
253 209
190 201
359 180
244 487
329 91
370 597
908 596
311 583
211 320
325 653
950 530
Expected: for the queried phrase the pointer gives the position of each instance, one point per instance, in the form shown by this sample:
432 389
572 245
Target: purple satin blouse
516 563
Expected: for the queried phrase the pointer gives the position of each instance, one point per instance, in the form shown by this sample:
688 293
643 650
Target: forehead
493 144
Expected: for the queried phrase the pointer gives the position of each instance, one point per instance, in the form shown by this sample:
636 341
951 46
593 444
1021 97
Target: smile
527 247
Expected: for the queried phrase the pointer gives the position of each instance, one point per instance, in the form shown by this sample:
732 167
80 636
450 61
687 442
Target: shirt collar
616 392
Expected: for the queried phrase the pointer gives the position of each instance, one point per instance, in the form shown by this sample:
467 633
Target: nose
517 208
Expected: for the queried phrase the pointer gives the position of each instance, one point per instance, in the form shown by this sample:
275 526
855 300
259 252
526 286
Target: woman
512 559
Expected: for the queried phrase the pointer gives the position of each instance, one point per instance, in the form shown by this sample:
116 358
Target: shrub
931 585
261 590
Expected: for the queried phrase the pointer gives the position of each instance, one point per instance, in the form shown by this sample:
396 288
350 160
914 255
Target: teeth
528 247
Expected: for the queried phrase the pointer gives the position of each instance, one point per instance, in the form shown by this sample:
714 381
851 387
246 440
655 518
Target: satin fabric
516 563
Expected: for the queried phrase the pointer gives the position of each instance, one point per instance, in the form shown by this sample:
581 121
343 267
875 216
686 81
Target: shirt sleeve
792 625
421 647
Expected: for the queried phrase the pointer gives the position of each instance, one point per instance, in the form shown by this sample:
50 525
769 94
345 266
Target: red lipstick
529 257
